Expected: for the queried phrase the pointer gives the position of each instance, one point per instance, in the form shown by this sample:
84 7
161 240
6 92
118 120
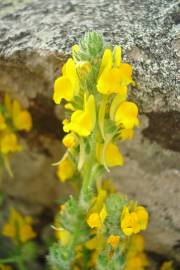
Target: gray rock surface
35 40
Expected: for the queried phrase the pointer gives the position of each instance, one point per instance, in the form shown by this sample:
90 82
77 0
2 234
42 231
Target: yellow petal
26 233
117 55
113 240
143 217
106 60
83 121
65 169
94 220
126 134
9 144
126 115
63 88
69 140
113 156
64 236
69 71
9 231
103 214
23 121
117 100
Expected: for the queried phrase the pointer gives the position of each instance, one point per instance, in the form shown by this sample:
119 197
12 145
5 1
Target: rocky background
35 40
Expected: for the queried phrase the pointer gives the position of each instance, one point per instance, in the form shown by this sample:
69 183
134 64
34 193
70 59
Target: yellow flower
69 140
134 221
138 262
126 115
114 78
97 213
136 245
2 123
113 240
26 233
18 227
9 144
109 154
143 216
67 85
95 243
167 266
9 230
96 220
83 121
64 236
65 169
126 134
21 118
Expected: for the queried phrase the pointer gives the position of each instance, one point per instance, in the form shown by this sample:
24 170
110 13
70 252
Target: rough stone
35 40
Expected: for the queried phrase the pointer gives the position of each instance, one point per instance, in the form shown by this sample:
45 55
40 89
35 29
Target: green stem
88 173
9 260
20 264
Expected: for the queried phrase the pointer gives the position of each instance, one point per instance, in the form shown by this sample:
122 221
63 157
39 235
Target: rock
35 40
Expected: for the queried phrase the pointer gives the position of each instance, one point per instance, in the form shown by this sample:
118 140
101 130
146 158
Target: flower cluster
95 91
95 230
18 228
13 118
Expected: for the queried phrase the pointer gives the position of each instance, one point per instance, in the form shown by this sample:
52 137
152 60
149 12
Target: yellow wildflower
67 85
136 245
113 240
95 243
97 213
2 123
83 121
65 169
134 221
64 236
21 118
111 155
126 115
9 230
26 233
8 144
96 220
126 134
18 227
114 78
138 262
69 140
167 266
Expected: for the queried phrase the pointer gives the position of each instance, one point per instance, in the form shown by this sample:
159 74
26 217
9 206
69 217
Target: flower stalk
96 227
